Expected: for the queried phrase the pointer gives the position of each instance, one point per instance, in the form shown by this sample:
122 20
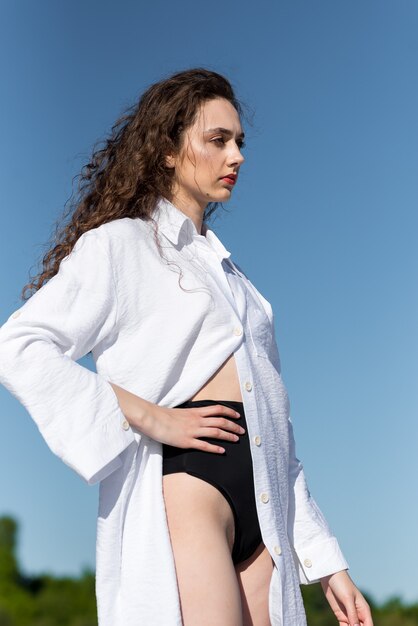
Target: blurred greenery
41 600
49 601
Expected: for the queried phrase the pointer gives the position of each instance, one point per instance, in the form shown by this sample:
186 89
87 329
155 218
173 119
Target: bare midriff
223 385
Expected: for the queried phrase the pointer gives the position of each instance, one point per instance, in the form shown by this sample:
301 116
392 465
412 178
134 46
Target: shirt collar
171 222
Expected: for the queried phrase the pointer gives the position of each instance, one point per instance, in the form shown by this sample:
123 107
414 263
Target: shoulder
124 228
112 237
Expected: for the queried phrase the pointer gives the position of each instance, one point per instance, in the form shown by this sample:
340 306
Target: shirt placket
213 265
236 295
246 365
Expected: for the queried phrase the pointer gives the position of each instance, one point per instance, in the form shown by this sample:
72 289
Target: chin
219 196
224 196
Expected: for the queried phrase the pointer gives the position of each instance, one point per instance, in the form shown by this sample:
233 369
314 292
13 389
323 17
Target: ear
170 161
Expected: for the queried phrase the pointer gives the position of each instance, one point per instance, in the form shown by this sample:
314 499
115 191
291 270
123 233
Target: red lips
231 179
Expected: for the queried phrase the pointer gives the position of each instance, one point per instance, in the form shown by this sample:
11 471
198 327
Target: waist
173 453
233 404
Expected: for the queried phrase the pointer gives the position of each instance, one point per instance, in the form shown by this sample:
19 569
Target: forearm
347 602
73 407
182 428
136 409
316 547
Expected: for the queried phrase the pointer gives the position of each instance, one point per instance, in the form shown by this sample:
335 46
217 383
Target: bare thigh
201 527
254 576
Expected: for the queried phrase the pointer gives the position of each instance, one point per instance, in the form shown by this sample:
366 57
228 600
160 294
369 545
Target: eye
219 140
241 144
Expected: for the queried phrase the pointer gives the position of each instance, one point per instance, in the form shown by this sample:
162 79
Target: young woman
205 517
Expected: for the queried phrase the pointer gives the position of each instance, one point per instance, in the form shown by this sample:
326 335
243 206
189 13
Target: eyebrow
224 131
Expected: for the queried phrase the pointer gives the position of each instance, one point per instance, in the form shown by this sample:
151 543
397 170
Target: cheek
200 165
205 163
197 161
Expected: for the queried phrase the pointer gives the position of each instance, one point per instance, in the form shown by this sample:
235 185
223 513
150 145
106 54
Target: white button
307 562
125 424
264 498
16 314
257 440
248 385
277 550
237 331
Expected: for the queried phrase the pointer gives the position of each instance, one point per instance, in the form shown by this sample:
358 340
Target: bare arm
347 602
179 427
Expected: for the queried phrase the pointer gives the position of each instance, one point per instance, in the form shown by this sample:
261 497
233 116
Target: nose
235 156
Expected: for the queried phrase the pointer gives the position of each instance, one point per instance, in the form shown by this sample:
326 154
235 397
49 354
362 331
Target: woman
204 515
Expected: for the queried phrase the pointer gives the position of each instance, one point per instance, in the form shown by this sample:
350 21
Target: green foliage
394 613
318 611
41 600
8 562
49 601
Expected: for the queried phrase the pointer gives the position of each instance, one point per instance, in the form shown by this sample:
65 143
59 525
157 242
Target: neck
191 208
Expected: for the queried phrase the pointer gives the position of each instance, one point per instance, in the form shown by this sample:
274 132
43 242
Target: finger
205 446
220 422
353 619
365 614
218 409
217 433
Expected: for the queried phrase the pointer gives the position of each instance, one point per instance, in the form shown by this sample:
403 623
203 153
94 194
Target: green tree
40 600
50 601
9 570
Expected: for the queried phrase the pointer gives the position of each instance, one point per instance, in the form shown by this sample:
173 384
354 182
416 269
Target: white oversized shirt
160 327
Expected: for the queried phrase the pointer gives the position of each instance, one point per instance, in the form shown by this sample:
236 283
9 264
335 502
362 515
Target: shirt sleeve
75 409
316 550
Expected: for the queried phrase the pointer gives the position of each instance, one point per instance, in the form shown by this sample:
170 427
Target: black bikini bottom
230 472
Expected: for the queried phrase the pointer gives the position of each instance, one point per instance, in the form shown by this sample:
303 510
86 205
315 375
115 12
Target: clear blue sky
327 202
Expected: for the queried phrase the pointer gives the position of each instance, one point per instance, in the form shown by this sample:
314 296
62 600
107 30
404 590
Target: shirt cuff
320 559
98 455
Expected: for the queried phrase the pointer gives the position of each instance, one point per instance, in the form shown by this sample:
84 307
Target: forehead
218 113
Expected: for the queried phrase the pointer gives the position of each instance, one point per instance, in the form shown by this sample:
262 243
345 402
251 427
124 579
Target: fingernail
237 414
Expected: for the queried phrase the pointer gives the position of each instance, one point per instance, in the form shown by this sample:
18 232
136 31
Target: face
207 167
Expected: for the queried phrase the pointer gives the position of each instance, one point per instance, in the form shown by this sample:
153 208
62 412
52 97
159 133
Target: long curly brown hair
126 177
